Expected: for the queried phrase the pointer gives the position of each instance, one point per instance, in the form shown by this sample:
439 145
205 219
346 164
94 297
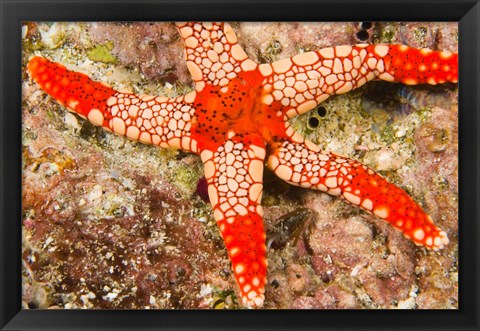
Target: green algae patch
385 35
102 53
186 177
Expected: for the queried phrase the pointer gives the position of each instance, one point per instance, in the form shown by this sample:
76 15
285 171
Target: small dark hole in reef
32 305
363 35
321 111
313 122
366 25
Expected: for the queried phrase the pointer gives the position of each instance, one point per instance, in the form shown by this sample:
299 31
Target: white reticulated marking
265 69
118 125
230 34
334 191
231 171
232 185
279 85
345 88
331 79
284 172
273 162
355 199
381 212
444 237
367 204
213 195
321 98
195 70
228 146
111 101
418 234
313 83
294 160
445 55
189 97
380 66
133 132
234 251
255 192
206 155
258 151
282 66
238 53
306 106
372 62
95 116
259 300
191 42
186 31
323 157
327 53
241 210
239 269
230 134
327 63
429 241
209 169
300 86
425 51
248 65
145 138
289 92
267 99
311 146
256 170
386 77
217 214
74 103
305 58
251 295
381 50
347 65
331 182
343 51
230 159
212 55
297 137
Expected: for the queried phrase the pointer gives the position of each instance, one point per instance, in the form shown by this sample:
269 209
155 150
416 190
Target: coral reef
110 223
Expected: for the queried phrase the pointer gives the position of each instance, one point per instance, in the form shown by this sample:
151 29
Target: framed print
286 171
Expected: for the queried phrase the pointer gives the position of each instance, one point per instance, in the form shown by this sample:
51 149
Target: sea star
236 119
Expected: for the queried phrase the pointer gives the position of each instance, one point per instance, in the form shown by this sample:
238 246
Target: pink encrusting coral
236 120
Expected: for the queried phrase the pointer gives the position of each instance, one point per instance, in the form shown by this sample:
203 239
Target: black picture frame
467 13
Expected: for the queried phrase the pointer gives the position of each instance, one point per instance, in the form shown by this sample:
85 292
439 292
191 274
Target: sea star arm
234 175
304 164
305 80
213 54
152 120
